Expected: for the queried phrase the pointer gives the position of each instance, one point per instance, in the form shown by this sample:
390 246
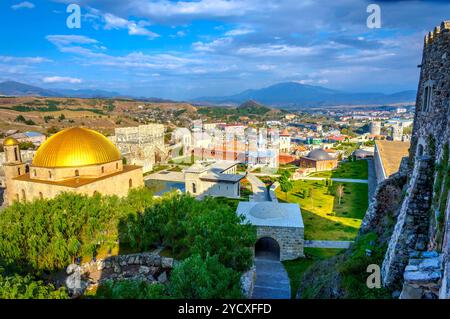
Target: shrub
198 278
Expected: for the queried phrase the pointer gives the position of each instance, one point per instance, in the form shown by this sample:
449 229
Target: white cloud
115 22
23 5
237 32
61 79
61 40
276 50
24 60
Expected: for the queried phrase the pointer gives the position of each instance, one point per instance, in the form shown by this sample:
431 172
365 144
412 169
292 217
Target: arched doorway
267 248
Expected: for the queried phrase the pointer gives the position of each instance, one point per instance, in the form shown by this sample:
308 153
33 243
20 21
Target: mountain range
286 95
293 94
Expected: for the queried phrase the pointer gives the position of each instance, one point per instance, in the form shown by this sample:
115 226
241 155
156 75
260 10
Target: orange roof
285 132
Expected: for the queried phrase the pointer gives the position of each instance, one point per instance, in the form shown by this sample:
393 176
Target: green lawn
355 170
323 217
296 268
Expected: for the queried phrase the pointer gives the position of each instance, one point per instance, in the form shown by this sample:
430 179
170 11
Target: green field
296 268
323 217
355 170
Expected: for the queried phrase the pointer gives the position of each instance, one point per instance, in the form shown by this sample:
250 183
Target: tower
13 167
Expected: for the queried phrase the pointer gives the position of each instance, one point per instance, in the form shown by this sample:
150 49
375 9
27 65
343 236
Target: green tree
198 278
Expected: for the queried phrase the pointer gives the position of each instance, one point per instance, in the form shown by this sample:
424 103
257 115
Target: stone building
213 179
318 160
142 145
417 259
74 160
279 228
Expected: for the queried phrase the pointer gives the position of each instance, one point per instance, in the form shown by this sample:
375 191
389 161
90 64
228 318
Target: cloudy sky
184 49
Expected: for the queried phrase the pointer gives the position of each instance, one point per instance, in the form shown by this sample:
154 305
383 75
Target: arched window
77 173
130 183
427 96
103 169
15 154
24 197
194 188
420 150
34 173
18 171
49 174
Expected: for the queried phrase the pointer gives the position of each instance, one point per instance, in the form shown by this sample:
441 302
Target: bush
198 278
129 289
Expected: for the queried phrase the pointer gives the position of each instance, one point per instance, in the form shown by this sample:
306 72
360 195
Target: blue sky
186 49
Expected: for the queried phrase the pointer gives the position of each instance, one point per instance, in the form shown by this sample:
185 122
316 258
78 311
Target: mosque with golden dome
76 160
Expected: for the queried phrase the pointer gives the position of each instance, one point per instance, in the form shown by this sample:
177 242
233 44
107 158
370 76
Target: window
130 183
24 197
103 169
77 173
194 188
49 174
420 150
18 171
15 154
117 165
427 96
41 196
34 173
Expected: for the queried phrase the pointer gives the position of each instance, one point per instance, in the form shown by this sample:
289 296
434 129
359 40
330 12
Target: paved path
372 179
272 281
260 193
327 244
343 180
166 176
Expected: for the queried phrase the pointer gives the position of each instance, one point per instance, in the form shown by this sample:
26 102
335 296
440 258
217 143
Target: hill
293 94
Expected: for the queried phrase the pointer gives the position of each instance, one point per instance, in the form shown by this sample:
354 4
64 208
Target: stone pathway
260 193
327 244
272 281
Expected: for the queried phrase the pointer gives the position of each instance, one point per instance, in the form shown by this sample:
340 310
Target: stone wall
290 240
418 233
149 267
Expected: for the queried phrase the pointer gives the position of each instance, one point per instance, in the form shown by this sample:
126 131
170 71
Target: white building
216 178
285 141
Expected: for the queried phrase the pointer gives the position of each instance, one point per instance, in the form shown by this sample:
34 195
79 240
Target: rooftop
271 214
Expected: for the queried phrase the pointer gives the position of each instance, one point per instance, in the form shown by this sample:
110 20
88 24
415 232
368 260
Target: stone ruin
417 260
148 267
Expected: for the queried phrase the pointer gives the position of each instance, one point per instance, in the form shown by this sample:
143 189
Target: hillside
293 94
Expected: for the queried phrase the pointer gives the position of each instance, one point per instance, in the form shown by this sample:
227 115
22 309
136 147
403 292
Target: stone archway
267 248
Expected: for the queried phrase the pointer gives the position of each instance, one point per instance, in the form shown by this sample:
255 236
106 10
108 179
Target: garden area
45 236
352 169
330 210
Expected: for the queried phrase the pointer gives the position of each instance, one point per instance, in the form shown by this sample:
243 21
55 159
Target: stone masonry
418 250
290 240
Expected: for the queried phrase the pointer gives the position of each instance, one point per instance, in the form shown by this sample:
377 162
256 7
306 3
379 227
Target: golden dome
74 147
10 141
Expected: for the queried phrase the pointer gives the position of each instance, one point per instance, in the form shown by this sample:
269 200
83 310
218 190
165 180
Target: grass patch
323 217
296 268
355 170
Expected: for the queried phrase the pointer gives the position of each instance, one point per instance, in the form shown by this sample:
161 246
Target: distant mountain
86 93
293 94
20 89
